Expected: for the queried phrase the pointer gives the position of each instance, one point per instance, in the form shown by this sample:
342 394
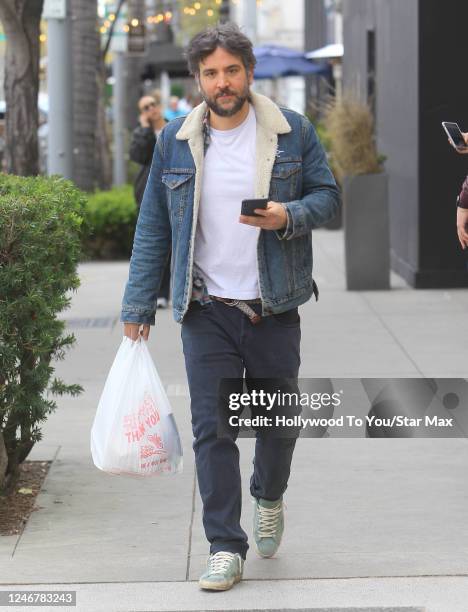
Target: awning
328 52
274 61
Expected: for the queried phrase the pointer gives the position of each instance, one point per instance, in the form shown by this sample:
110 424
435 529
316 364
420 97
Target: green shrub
177 90
40 247
110 221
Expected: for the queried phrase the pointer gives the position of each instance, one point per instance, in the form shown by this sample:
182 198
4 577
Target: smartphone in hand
454 134
248 206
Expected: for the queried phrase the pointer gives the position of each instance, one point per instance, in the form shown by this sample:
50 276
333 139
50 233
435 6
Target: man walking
237 280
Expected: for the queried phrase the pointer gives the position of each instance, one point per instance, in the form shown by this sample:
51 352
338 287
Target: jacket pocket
174 180
286 180
178 185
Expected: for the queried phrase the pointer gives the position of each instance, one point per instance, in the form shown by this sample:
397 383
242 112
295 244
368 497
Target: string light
126 28
42 38
103 29
112 17
134 22
168 15
192 10
107 23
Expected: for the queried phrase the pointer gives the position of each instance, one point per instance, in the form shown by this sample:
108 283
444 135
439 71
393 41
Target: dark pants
220 342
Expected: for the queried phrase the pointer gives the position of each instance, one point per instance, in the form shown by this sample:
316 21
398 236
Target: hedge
40 247
110 221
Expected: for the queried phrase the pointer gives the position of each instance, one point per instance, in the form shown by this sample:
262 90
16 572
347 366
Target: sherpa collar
267 114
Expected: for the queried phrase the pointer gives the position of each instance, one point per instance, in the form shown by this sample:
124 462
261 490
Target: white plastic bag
134 431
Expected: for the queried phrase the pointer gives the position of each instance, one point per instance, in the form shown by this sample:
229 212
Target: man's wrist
285 230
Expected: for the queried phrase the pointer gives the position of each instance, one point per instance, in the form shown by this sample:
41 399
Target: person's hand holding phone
273 217
457 139
144 120
463 150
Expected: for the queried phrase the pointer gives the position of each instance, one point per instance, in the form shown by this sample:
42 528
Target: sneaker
162 302
268 526
223 570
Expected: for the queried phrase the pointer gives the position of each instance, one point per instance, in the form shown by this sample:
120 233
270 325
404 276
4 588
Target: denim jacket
291 168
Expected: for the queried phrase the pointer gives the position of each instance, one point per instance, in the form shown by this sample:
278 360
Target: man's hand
462 221
132 331
274 217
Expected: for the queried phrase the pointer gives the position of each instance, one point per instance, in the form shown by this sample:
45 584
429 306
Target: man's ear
250 76
197 81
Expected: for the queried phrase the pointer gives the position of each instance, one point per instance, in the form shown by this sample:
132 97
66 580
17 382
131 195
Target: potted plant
359 168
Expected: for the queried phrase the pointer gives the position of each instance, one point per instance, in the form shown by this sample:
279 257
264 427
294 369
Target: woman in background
151 120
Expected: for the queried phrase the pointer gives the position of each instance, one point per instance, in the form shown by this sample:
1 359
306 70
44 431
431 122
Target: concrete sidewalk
368 522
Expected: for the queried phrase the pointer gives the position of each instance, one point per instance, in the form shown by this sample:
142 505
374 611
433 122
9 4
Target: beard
221 111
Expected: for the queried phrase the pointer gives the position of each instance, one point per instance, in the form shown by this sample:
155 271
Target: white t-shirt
226 250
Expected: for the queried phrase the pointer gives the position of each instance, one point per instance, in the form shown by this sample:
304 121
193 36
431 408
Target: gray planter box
367 235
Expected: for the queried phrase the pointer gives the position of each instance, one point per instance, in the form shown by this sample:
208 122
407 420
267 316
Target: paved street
368 522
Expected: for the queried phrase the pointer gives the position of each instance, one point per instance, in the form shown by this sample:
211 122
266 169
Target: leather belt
242 305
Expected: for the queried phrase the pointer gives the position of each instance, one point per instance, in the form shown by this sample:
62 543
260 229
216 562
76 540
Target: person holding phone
151 123
237 279
462 202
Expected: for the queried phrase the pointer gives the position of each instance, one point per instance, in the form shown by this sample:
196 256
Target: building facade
273 22
406 58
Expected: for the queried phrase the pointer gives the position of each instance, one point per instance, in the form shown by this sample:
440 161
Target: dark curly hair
226 35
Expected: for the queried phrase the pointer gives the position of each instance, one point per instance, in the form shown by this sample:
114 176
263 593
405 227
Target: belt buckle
231 302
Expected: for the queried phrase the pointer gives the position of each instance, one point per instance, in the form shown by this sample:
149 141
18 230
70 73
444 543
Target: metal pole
224 11
59 85
165 88
118 104
250 19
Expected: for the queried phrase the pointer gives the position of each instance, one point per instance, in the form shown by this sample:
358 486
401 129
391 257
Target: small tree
21 22
40 222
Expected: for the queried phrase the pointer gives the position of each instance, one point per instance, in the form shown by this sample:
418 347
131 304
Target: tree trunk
21 21
103 165
86 58
3 462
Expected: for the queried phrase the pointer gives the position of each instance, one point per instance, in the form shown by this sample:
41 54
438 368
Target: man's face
149 108
224 82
